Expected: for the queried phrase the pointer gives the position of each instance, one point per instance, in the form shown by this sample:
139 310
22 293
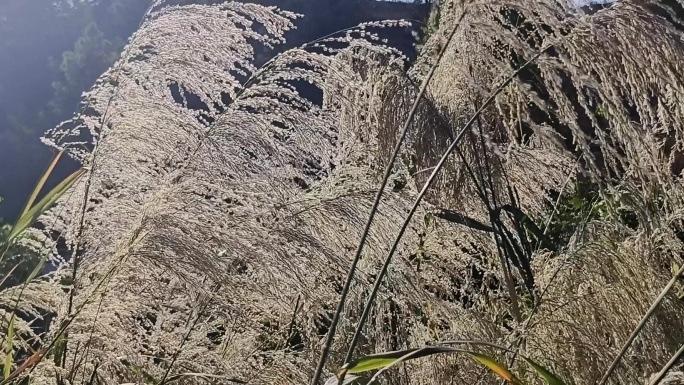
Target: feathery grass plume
590 96
530 141
27 251
236 203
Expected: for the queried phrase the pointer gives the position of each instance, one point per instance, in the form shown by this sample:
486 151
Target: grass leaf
8 274
41 183
496 367
544 373
384 360
34 212
29 362
381 360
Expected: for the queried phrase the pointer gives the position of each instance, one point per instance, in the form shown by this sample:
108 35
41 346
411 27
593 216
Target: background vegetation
50 53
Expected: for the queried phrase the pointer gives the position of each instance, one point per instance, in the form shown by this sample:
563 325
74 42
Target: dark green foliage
585 203
92 54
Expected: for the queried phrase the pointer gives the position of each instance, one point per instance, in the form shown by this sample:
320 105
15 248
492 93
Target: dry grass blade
668 366
30 362
9 274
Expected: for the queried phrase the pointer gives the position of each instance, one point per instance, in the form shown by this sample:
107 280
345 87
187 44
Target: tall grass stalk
82 211
200 311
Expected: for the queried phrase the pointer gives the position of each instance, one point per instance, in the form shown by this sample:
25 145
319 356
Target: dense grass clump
532 230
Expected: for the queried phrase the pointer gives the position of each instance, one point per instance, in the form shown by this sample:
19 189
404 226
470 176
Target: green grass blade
496 367
34 273
58 350
32 214
41 183
544 373
381 360
411 354
350 380
7 370
5 243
